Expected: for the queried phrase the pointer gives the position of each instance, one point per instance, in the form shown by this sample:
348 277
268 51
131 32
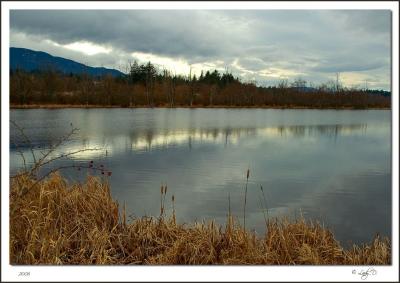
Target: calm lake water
332 166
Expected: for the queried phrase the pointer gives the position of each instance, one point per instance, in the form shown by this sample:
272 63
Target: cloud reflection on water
147 140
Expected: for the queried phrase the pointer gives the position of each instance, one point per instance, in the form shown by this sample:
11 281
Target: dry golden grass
57 223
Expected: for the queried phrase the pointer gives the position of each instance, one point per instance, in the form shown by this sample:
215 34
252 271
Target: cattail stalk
245 201
173 209
124 215
161 201
265 201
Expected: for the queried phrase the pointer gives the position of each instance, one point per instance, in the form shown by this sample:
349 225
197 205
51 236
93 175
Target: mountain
30 60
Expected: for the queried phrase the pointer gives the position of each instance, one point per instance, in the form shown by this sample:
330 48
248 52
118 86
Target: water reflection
334 166
150 139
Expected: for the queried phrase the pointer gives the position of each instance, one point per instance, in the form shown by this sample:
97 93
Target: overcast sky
262 45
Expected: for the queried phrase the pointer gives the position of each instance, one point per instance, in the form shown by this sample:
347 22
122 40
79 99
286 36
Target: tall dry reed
58 223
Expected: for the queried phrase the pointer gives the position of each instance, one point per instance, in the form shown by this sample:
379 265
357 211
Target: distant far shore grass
62 106
53 222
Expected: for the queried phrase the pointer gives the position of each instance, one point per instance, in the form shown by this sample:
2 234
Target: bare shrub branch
47 158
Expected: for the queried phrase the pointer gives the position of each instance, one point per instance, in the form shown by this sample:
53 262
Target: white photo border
195 273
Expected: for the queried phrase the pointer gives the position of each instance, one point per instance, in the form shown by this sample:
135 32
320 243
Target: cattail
161 200
265 202
173 209
245 201
166 189
124 215
109 173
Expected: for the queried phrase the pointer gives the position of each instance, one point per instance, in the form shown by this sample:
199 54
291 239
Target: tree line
145 85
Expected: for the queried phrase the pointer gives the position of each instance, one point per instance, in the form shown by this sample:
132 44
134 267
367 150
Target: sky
265 46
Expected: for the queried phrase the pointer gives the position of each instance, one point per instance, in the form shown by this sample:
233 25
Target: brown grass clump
57 223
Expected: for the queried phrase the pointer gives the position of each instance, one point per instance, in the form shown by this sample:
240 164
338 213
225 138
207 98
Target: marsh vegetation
55 222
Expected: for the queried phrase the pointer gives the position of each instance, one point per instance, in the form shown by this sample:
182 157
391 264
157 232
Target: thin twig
21 154
66 155
263 210
21 130
265 200
64 167
39 163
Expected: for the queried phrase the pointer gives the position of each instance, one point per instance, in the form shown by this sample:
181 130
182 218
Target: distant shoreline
70 106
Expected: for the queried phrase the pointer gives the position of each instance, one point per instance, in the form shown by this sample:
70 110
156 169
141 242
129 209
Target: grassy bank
62 106
57 223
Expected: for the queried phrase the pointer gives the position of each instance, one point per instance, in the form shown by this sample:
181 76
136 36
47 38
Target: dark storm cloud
375 21
173 33
251 43
348 67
